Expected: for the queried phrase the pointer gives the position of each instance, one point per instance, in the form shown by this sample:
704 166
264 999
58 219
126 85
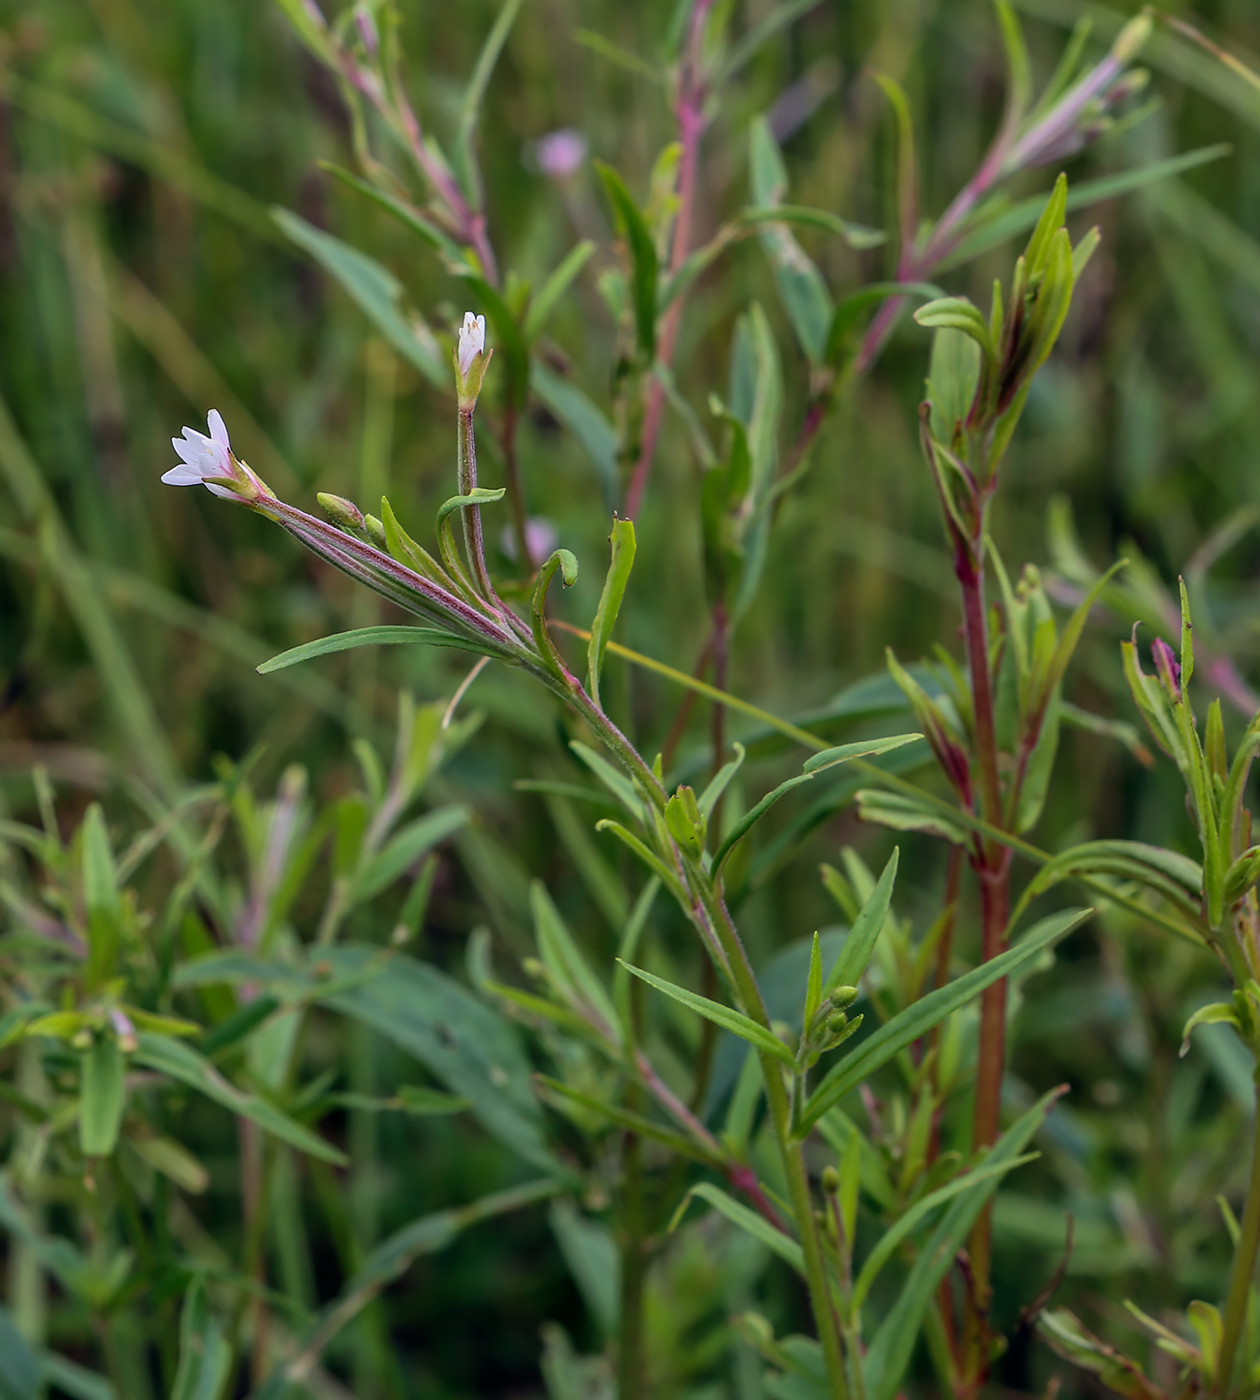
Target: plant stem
690 113
467 477
992 864
1235 1315
791 1150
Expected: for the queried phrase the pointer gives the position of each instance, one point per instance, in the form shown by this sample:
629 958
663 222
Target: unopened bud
1168 667
843 996
755 1329
341 512
831 1181
368 33
837 1023
471 359
376 531
686 822
1131 38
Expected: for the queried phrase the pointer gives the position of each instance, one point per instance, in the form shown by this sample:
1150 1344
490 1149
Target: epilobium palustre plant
843 1112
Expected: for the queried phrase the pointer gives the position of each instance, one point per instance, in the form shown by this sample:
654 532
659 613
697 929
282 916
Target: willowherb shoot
728 909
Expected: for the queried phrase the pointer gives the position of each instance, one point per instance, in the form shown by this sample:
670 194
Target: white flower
472 340
203 458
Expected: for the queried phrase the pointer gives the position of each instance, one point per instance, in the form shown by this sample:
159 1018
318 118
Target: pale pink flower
472 340
560 153
202 458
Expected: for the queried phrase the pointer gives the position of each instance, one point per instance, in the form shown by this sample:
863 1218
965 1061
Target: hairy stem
467 477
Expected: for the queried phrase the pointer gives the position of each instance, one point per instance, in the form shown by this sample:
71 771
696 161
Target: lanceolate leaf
918 1213
204 1354
916 1020
102 1097
179 1061
623 546
472 1050
893 1343
860 942
406 847
378 293
819 763
369 637
643 261
1014 220
749 1221
730 1020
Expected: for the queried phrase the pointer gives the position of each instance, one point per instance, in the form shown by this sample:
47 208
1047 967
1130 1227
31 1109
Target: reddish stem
690 114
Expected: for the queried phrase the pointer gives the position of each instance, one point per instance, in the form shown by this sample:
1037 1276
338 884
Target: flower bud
1131 38
831 1181
471 359
686 822
843 996
342 512
376 531
1167 666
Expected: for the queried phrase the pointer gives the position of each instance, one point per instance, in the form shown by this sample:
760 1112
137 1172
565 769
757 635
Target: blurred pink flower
540 536
560 153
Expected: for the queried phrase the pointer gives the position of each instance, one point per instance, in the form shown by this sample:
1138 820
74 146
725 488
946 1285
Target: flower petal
182 475
218 429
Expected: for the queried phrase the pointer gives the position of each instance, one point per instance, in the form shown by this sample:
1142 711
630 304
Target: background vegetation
142 280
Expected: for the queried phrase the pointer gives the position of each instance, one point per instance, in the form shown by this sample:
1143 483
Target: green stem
1244 1270
791 1149
466 462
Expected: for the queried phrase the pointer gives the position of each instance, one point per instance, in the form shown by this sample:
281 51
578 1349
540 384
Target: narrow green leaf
721 780
916 1020
618 576
413 218
914 1217
801 286
726 1017
179 1061
747 1220
102 1096
553 289
632 1122
478 496
565 962
370 637
378 294
474 95
891 1347
859 944
623 58
205 1358
818 763
643 260
958 314
989 231
405 848
464 1043
100 897
19 1366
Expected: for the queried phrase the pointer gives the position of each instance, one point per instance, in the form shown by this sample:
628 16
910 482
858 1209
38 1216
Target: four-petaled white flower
472 340
204 458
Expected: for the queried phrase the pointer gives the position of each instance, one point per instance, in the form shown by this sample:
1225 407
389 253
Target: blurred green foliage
142 279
